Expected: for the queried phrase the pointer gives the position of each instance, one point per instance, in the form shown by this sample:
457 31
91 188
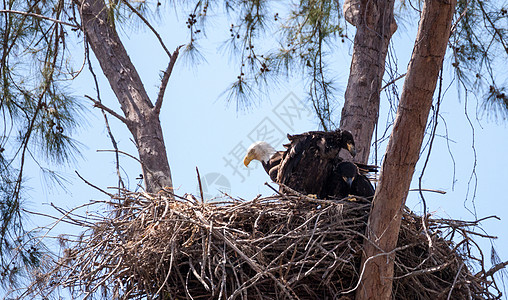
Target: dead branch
165 80
109 110
279 247
24 13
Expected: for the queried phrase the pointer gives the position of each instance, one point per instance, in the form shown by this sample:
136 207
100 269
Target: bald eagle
267 155
310 162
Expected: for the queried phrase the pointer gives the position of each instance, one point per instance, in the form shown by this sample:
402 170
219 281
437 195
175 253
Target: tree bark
140 116
375 26
404 148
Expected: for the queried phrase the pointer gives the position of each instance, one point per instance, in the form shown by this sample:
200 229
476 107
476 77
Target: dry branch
167 246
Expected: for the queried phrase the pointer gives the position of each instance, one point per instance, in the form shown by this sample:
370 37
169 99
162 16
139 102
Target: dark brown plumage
348 180
309 163
272 165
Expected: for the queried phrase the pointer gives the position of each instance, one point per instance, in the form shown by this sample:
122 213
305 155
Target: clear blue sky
201 130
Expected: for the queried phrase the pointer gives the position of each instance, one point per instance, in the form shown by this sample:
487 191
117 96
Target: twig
497 32
273 189
109 110
167 276
200 187
111 273
454 26
392 81
165 80
431 143
105 116
428 190
496 268
425 271
253 264
149 26
60 219
121 152
387 254
37 16
281 245
296 193
455 281
94 186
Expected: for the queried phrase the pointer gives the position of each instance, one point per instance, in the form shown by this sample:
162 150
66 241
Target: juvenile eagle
310 162
348 180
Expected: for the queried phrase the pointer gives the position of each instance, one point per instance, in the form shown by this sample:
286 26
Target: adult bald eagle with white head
309 163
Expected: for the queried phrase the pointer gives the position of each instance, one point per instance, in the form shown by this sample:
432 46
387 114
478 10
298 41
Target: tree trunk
374 27
404 148
140 116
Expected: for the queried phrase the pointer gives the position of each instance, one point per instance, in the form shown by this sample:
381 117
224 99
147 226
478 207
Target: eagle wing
305 166
362 187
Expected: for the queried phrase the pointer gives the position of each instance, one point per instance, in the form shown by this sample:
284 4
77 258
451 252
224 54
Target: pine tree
40 115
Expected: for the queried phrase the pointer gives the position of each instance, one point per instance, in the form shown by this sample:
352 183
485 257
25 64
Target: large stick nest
280 247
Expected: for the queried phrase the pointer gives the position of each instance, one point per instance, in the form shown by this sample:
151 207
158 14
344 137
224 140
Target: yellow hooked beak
351 149
248 158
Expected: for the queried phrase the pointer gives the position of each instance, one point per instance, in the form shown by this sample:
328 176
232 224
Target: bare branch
496 30
278 243
94 186
425 271
200 186
428 190
37 16
454 282
121 152
392 81
109 110
165 79
134 10
106 121
496 268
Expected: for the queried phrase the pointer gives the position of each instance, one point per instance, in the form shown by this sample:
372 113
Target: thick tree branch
404 148
126 83
165 80
375 25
